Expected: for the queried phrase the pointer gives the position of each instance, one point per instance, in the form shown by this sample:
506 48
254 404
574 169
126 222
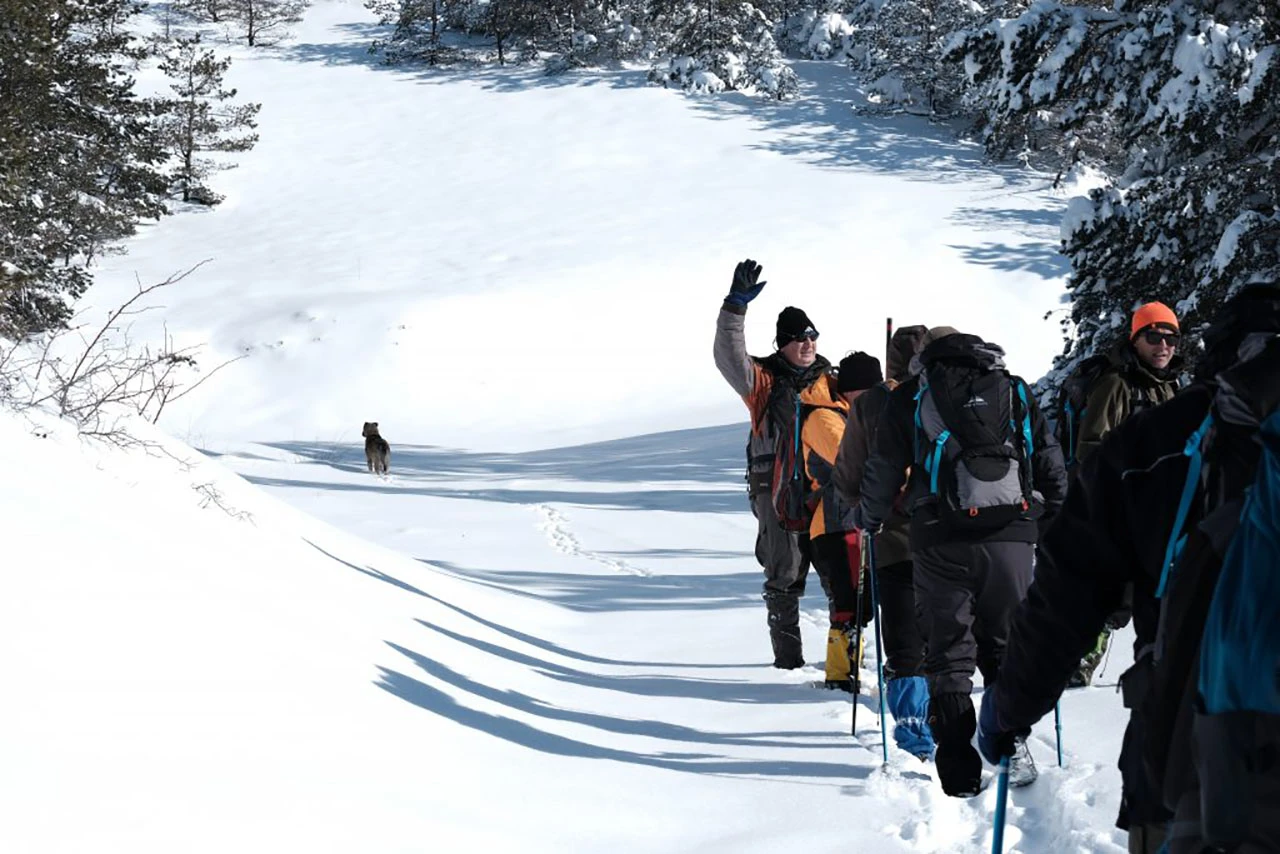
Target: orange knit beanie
1152 314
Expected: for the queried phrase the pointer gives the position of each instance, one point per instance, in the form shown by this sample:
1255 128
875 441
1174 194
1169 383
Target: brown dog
376 450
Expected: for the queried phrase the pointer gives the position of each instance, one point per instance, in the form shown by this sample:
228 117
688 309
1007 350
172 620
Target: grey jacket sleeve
731 350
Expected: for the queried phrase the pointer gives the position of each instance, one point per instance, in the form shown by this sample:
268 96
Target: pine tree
1182 102
79 157
213 11
263 21
721 44
900 52
199 118
419 27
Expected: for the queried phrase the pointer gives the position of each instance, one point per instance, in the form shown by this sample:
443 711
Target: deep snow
543 631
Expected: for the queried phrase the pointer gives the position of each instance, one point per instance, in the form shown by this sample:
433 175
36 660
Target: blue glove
994 743
744 288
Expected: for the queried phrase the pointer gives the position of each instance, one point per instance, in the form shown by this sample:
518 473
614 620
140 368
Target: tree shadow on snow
518 732
820 125
515 634
1041 259
352 48
617 593
704 455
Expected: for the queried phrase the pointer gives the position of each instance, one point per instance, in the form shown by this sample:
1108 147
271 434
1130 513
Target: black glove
862 523
994 743
744 288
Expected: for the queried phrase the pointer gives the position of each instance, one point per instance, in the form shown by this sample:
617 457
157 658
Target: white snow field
542 632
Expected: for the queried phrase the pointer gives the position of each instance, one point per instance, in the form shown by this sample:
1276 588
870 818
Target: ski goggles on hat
1155 337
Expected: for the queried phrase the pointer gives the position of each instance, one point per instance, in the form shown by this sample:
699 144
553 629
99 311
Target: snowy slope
543 659
434 250
551 641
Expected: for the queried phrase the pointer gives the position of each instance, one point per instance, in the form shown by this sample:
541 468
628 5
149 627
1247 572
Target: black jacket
895 452
1114 528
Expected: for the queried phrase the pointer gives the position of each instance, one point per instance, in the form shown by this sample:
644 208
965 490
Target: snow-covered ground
543 631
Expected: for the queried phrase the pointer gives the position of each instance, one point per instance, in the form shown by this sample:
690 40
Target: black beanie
857 372
792 323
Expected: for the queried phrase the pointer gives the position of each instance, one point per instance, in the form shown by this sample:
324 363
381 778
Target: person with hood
981 468
1143 373
903 635
1113 533
833 537
769 386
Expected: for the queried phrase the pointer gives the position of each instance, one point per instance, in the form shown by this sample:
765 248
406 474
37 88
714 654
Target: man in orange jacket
769 387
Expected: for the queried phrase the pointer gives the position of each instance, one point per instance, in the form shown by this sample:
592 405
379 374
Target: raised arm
738 368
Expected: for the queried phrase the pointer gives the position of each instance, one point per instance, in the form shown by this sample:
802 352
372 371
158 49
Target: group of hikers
1005 544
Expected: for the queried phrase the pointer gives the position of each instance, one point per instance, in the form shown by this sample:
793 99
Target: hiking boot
953 722
979 786
1022 768
784 630
838 675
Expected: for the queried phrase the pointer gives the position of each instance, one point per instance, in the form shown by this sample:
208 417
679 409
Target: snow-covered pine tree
418 30
79 158
592 32
1190 92
264 21
721 44
814 30
509 23
900 53
199 118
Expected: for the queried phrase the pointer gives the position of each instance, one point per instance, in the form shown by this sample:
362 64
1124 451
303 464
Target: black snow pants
966 594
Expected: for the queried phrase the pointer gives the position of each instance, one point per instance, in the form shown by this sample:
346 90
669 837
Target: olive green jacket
1124 388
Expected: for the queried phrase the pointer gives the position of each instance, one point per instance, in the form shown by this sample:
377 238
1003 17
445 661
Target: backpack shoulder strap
1028 435
1194 450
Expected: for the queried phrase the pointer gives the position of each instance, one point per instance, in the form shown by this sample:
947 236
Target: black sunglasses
809 334
1155 337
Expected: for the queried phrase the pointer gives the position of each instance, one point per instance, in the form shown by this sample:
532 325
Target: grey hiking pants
966 595
784 555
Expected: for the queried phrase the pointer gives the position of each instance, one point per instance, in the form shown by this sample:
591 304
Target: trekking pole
1002 798
854 658
1057 725
888 342
875 619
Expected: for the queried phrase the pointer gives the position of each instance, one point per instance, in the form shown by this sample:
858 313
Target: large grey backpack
974 436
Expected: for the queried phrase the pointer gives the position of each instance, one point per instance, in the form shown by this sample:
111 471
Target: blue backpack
1226 614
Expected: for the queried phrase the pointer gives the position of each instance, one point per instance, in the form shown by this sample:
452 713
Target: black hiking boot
784 630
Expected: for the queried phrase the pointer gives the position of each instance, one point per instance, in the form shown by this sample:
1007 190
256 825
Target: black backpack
974 439
1073 398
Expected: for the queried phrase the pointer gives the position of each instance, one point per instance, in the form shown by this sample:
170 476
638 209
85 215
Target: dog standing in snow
376 450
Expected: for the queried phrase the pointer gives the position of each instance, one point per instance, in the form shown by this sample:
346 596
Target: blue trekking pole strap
1176 540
